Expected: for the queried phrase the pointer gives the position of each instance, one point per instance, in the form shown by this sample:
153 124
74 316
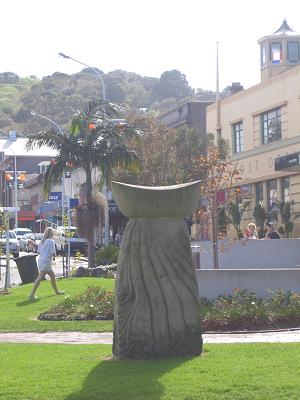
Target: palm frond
42 138
52 175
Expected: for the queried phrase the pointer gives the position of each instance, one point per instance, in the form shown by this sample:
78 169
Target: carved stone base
157 308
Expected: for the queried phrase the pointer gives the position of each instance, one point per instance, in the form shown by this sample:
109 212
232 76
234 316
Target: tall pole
215 205
36 114
16 193
7 274
15 185
218 125
106 211
93 69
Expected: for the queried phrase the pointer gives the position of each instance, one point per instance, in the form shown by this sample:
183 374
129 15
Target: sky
145 37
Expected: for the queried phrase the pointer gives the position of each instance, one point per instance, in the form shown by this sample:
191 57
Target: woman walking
46 250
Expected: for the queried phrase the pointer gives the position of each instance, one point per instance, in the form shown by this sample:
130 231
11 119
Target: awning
26 216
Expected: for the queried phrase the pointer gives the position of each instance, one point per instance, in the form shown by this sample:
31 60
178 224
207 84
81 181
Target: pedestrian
271 233
118 239
46 250
251 232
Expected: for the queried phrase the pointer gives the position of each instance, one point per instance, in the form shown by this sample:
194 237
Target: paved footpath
291 336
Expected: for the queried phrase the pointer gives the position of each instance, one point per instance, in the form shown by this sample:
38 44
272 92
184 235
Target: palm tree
93 141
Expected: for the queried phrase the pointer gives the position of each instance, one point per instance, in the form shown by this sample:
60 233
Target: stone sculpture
157 308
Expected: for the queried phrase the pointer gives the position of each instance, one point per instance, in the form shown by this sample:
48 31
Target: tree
171 84
92 141
285 212
219 176
166 153
260 216
235 215
155 147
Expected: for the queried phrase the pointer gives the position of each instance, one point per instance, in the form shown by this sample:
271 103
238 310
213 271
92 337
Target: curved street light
93 69
106 222
36 114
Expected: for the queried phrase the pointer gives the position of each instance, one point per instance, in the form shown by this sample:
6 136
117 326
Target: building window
259 194
285 185
272 194
293 52
271 125
263 54
276 53
238 137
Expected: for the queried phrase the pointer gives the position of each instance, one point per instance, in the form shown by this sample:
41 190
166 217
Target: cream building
262 126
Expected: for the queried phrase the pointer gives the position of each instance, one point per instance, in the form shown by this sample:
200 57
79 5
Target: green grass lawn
85 372
19 315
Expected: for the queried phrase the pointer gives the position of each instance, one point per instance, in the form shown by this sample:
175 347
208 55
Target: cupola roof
285 29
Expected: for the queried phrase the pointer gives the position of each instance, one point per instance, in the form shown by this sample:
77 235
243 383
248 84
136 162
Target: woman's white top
46 251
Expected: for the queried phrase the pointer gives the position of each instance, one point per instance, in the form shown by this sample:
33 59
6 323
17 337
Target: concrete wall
250 254
212 283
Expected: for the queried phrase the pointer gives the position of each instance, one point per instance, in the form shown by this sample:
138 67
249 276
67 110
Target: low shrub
244 311
107 255
240 311
94 303
102 271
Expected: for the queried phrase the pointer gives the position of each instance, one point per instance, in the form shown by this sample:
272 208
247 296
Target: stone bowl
156 201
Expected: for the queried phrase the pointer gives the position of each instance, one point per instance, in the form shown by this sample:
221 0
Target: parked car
33 242
23 241
20 232
77 244
14 246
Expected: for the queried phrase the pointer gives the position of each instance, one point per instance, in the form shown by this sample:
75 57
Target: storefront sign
54 196
291 160
112 206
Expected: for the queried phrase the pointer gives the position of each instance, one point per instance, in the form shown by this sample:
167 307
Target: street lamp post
36 114
93 69
106 211
13 138
16 191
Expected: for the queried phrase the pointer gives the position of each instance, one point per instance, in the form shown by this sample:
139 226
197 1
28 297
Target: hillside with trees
60 95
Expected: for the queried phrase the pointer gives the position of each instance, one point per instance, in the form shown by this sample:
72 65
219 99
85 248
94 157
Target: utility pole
105 189
214 203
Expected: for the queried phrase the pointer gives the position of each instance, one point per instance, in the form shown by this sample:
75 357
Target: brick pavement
291 336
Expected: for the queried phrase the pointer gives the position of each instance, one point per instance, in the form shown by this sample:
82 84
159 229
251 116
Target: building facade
191 114
262 126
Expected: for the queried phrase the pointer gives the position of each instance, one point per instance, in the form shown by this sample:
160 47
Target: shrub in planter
107 255
81 272
244 311
93 303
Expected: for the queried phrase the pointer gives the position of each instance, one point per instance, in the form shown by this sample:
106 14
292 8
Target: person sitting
271 233
251 232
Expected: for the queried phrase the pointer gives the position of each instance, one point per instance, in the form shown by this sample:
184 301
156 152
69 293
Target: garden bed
241 311
95 303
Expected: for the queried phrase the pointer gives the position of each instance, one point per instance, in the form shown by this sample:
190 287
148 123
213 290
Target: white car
14 246
20 232
76 244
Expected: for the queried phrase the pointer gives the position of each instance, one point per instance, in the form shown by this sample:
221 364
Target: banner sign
74 202
112 206
54 196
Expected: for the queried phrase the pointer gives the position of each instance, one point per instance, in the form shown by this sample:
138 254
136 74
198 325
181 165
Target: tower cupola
279 51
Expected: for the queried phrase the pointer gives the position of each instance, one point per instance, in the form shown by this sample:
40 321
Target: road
57 268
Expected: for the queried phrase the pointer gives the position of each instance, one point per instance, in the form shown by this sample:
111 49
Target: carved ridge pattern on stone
157 308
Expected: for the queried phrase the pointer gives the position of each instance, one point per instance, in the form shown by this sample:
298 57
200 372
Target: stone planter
157 310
